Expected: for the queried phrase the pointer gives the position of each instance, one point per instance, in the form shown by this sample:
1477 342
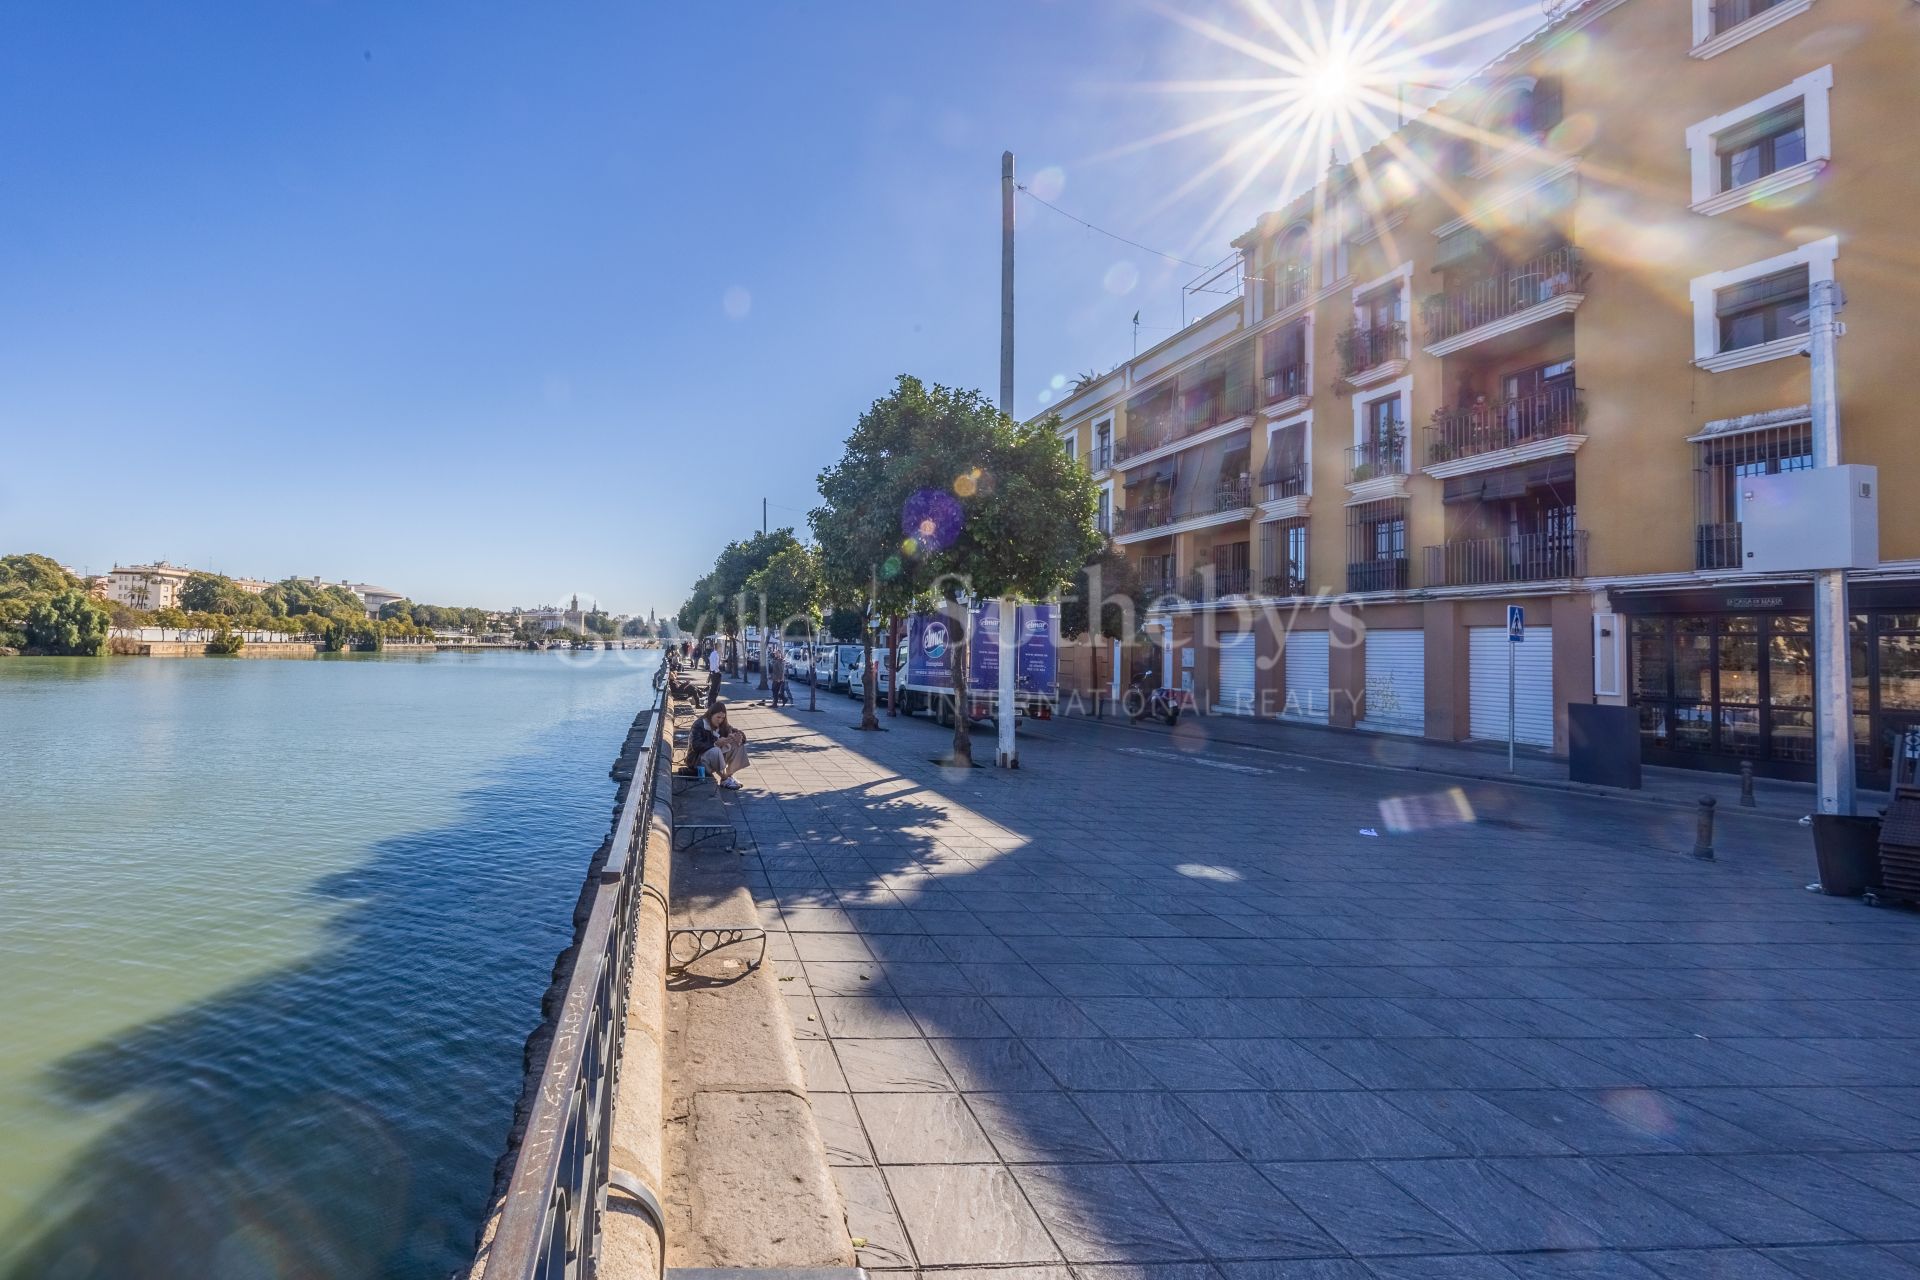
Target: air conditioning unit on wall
1800 521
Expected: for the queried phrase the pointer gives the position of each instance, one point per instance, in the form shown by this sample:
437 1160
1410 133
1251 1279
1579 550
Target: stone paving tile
1157 1007
968 1214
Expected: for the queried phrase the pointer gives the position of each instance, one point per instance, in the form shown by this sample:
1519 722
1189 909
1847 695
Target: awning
1509 482
1194 490
1161 472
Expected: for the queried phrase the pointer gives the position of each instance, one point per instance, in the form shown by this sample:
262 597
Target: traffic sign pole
1516 632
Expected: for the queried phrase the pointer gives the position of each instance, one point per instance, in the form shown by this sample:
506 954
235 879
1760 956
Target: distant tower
575 606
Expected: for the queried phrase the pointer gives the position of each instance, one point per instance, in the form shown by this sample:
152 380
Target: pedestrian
713 673
777 674
717 746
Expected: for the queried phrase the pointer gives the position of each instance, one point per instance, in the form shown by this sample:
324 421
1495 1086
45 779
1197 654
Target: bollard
1703 834
1746 784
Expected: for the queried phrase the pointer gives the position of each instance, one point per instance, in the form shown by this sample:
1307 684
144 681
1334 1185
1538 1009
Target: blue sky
491 303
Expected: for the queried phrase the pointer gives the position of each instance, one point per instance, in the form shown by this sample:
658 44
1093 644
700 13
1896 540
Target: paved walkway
1136 1004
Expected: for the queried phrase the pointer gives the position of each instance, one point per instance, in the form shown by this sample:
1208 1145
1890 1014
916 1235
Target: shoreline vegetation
46 610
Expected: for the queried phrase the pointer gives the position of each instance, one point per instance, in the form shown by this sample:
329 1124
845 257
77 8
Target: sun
1330 86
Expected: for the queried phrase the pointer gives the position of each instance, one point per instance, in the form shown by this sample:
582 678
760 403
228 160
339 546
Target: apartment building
1523 352
147 586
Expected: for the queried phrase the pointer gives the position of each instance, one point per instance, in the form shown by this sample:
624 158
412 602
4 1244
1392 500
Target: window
1377 546
1104 514
1764 310
1762 147
1072 444
1719 25
1758 312
1283 558
1728 14
1720 463
1384 423
1292 268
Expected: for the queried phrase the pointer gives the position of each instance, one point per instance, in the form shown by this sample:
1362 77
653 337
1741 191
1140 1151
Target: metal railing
1231 496
1364 347
1716 546
1282 482
1200 415
1503 293
1520 557
1216 584
1285 383
1283 584
1385 457
1378 575
1102 456
550 1217
1501 424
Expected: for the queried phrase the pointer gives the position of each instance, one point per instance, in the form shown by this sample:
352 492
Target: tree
25 581
984 507
792 588
226 641
213 593
68 623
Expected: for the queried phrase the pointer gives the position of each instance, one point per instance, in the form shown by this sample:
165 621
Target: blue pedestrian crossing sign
1516 623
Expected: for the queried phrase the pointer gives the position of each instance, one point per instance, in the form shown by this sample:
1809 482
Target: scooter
1140 702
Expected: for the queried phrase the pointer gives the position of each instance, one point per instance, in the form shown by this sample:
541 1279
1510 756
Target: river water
272 933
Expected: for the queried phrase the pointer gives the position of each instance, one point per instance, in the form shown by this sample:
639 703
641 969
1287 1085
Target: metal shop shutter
1487 686
1306 676
1396 682
1233 693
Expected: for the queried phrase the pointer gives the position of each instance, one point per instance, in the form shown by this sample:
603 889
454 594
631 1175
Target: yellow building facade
1523 352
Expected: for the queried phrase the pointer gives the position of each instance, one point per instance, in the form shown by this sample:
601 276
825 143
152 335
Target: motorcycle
1141 701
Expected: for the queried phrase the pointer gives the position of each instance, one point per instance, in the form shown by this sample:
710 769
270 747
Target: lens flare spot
1048 183
736 302
1190 735
1643 1109
932 519
964 485
1058 381
1122 278
1403 814
1200 871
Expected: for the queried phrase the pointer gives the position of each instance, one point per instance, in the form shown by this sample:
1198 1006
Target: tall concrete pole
1007 752
1833 682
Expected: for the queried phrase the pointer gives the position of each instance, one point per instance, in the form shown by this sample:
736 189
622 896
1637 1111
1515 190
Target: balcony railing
1234 495
1282 482
1375 458
1226 582
1367 347
1286 383
1283 584
1102 456
1522 557
1503 293
1502 424
1717 546
1378 575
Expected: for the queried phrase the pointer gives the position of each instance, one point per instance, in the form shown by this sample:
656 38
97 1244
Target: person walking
713 672
777 675
716 745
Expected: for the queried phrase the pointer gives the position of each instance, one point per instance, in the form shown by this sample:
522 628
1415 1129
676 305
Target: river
272 933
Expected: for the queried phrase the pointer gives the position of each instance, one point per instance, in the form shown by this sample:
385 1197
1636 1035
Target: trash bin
1847 849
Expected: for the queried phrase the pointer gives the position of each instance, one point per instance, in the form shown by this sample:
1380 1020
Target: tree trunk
962 731
813 672
868 720
766 646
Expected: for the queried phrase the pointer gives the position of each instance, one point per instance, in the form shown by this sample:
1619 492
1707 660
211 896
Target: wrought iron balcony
1502 424
1277 483
1378 575
1361 348
1234 495
1717 546
1102 456
1286 382
1224 582
1143 516
1503 293
1376 458
1522 557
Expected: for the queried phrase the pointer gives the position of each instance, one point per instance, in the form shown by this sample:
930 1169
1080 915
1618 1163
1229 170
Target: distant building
147 586
375 598
252 586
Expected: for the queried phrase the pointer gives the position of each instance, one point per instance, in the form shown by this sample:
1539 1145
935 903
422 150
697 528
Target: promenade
1157 1001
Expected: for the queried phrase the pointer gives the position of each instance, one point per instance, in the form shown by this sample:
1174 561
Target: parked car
846 665
823 665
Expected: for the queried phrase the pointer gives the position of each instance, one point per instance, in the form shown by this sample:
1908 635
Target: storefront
1723 676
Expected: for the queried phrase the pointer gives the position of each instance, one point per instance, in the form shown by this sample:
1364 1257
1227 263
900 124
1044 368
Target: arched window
1292 267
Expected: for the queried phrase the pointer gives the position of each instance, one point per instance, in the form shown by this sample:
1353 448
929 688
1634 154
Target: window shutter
1547 108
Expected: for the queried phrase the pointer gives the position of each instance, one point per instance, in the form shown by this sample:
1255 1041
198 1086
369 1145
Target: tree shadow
341 1116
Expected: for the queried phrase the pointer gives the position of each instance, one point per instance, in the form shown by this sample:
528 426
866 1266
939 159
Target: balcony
1377 459
1280 483
1372 353
1717 546
1546 419
1378 575
1226 503
1155 433
1226 582
1539 289
1285 385
1523 557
